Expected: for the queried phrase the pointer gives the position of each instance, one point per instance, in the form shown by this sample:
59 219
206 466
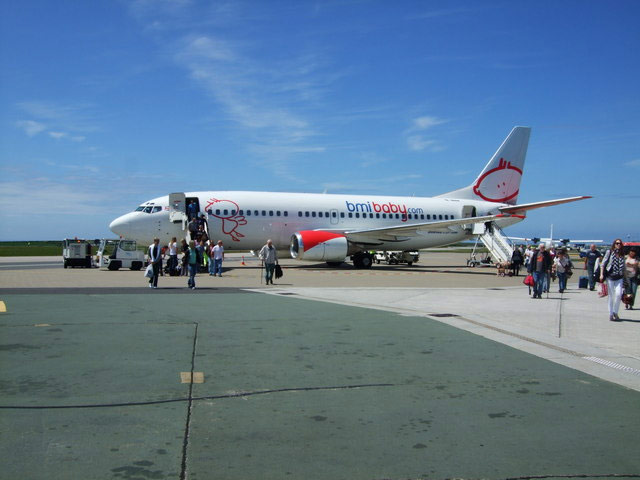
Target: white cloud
73 138
210 48
382 184
633 163
73 117
48 197
426 122
419 143
31 127
245 87
58 121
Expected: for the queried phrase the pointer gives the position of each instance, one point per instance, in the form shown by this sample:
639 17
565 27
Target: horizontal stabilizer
521 209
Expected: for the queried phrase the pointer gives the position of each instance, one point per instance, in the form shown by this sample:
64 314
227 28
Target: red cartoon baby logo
227 211
499 184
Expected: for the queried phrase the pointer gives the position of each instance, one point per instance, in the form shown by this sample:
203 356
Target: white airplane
328 227
549 241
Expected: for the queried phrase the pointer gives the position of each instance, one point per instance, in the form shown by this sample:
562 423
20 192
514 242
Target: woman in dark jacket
516 261
184 246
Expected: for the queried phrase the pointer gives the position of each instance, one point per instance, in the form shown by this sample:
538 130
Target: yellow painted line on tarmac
3 307
198 377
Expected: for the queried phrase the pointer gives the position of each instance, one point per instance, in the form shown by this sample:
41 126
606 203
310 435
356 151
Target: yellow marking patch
3 307
198 377
42 325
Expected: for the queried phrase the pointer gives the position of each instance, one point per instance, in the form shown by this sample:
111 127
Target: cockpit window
157 209
148 209
140 208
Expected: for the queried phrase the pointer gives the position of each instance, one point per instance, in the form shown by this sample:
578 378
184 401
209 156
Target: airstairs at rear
497 243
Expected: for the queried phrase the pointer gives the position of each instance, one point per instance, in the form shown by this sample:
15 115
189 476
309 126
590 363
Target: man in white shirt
218 257
173 256
155 259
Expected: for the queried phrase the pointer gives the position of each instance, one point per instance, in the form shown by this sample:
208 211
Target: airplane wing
400 233
555 240
521 209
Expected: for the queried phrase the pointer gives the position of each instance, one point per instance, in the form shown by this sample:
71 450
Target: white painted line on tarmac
617 366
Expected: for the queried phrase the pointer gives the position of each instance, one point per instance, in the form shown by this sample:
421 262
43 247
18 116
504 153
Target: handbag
568 272
528 280
278 272
148 273
603 290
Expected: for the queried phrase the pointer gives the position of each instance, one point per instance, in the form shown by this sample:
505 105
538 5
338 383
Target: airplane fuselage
245 220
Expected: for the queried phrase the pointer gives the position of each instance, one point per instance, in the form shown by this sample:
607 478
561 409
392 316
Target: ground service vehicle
119 253
396 257
76 253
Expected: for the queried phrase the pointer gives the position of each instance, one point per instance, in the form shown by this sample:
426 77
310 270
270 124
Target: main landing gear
362 260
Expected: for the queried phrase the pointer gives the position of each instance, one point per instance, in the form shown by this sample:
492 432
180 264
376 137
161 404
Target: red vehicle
626 246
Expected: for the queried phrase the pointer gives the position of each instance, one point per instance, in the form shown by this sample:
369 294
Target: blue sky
106 104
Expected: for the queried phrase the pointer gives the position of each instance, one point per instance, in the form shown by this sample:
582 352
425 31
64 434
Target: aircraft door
177 207
468 211
334 217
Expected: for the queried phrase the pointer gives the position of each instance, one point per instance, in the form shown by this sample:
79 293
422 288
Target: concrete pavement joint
197 399
185 445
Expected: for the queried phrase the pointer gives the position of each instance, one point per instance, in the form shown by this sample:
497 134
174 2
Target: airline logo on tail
500 184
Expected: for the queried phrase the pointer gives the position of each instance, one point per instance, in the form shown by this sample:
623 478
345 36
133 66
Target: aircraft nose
120 226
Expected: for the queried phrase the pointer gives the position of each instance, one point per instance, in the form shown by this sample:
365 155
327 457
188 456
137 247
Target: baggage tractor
583 282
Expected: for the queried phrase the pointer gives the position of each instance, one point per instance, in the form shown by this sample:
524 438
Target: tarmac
433 371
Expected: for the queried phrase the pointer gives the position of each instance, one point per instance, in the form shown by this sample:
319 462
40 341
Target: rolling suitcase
583 282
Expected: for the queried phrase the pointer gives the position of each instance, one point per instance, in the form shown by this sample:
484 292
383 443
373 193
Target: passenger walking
516 261
192 210
269 257
590 265
210 255
632 276
193 229
155 259
539 267
173 256
547 278
218 257
612 269
163 253
561 267
193 265
202 256
184 247
527 256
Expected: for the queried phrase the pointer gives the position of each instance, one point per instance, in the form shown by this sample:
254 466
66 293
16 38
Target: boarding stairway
497 243
178 214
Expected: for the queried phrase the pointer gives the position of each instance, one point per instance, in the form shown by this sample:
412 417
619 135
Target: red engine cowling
319 245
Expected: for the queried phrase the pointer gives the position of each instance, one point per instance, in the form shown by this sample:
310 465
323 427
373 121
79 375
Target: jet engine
319 245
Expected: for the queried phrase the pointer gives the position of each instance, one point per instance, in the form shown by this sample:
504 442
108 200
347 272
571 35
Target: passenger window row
248 213
397 216
332 214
